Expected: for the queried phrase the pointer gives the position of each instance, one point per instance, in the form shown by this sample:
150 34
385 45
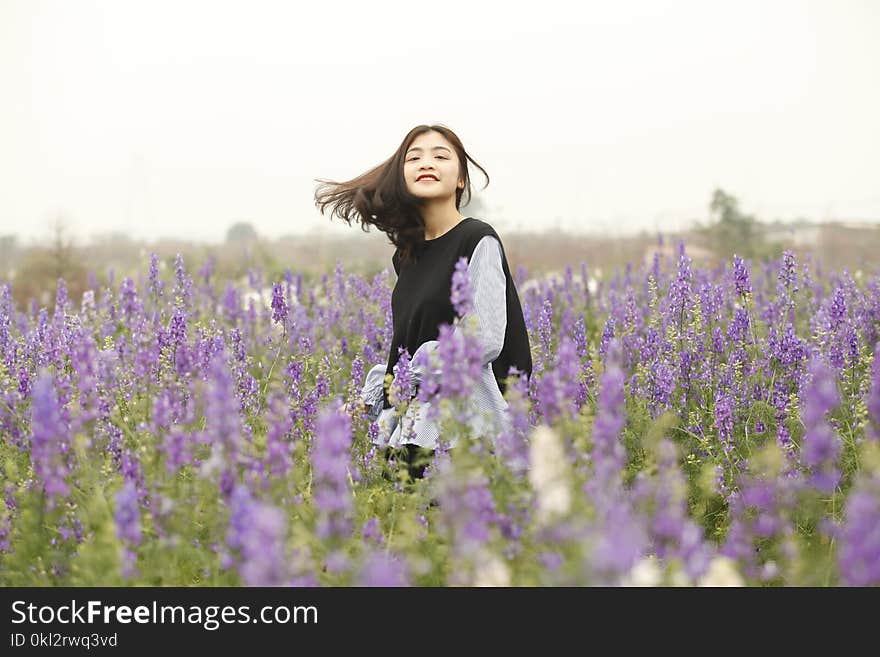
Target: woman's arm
371 392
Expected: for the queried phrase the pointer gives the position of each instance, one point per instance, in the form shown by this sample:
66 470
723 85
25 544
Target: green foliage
732 231
186 525
241 231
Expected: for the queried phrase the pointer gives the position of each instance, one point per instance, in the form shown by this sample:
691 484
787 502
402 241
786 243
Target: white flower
212 464
491 570
646 572
549 474
679 578
722 572
88 300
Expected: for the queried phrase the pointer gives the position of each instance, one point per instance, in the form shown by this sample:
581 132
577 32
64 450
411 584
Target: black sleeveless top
420 300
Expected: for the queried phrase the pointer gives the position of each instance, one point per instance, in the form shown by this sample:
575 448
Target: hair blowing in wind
379 197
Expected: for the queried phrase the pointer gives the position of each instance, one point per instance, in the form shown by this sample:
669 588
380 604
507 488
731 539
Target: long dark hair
379 197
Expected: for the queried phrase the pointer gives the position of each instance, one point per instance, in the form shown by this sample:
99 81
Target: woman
414 197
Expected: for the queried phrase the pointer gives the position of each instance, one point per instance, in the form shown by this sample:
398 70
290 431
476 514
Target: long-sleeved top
488 285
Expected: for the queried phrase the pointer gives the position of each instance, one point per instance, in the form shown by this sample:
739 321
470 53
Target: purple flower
461 360
512 443
790 350
279 304
177 328
7 312
551 561
50 441
467 514
675 534
874 394
661 384
207 269
127 516
837 309
60 302
741 277
257 533
5 527
385 571
607 336
223 425
579 336
609 456
787 271
177 448
331 458
372 532
545 329
859 551
129 302
231 304
130 468
255 278
619 544
401 390
680 290
738 329
461 294
183 283
724 416
279 448
821 446
156 283
568 370
711 298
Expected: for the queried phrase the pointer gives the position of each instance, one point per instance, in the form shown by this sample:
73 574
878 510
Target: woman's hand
357 407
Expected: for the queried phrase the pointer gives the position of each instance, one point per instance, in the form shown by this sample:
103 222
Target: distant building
800 234
808 235
872 226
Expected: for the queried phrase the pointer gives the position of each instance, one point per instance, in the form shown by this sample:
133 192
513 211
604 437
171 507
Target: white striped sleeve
371 392
489 286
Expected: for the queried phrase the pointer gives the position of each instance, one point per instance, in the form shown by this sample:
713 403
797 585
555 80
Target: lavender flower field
682 426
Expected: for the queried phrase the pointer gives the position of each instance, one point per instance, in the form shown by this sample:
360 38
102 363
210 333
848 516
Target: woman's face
431 157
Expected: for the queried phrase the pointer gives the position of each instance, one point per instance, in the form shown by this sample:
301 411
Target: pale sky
176 118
